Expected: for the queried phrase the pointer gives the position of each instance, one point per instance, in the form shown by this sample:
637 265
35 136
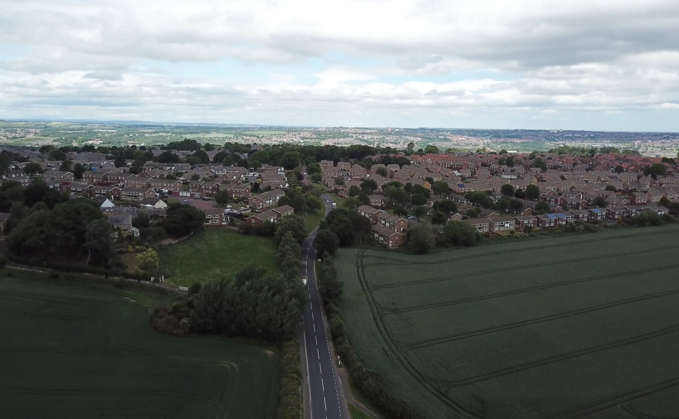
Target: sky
580 64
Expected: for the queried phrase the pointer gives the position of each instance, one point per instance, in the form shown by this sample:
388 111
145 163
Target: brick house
370 213
638 198
265 200
482 225
213 216
596 215
136 194
523 222
497 224
169 184
257 220
78 188
546 221
57 175
238 192
392 222
390 238
580 215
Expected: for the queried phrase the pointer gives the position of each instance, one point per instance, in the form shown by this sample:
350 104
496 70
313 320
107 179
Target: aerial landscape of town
402 254
378 209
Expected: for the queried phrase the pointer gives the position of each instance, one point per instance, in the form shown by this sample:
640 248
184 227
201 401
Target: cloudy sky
577 64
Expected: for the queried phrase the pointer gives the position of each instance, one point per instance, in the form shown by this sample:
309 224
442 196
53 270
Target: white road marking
324 404
323 384
319 355
316 338
306 352
314 324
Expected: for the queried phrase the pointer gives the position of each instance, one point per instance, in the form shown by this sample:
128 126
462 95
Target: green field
73 351
214 252
584 325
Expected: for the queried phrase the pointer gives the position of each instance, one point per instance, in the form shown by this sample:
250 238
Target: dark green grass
215 252
74 351
582 324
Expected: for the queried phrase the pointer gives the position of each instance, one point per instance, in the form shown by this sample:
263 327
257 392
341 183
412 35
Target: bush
163 320
3 262
290 394
119 283
195 288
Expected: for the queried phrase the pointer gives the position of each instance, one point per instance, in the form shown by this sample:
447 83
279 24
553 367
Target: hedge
290 394
66 267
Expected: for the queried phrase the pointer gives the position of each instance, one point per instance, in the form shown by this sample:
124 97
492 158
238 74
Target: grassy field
584 325
83 351
213 252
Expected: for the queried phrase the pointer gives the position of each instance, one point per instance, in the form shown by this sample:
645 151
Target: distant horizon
260 125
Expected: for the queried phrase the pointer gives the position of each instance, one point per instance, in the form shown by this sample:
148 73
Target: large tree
148 262
532 192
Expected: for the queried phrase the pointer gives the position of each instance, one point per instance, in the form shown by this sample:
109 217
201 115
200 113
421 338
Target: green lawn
583 325
85 351
214 252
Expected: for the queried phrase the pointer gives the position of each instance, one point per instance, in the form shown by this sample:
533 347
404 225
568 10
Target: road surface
323 396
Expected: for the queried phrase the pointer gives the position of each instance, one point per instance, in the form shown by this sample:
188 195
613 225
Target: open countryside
585 325
70 351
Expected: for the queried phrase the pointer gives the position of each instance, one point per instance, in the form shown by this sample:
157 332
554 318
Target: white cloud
404 61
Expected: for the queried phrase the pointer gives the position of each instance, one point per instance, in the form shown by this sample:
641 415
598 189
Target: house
112 192
378 201
524 222
213 216
388 237
580 215
104 203
497 224
136 194
482 225
238 192
392 222
265 200
596 215
283 210
546 221
121 222
616 212
58 175
370 213
169 184
77 188
257 220
154 202
638 198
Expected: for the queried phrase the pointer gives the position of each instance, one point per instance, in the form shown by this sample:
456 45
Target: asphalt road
323 393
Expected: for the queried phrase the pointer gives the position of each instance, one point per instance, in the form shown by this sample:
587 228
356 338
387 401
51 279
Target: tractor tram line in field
376 287
387 311
616 315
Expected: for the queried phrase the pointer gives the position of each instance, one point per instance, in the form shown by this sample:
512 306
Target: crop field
215 252
577 326
70 351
